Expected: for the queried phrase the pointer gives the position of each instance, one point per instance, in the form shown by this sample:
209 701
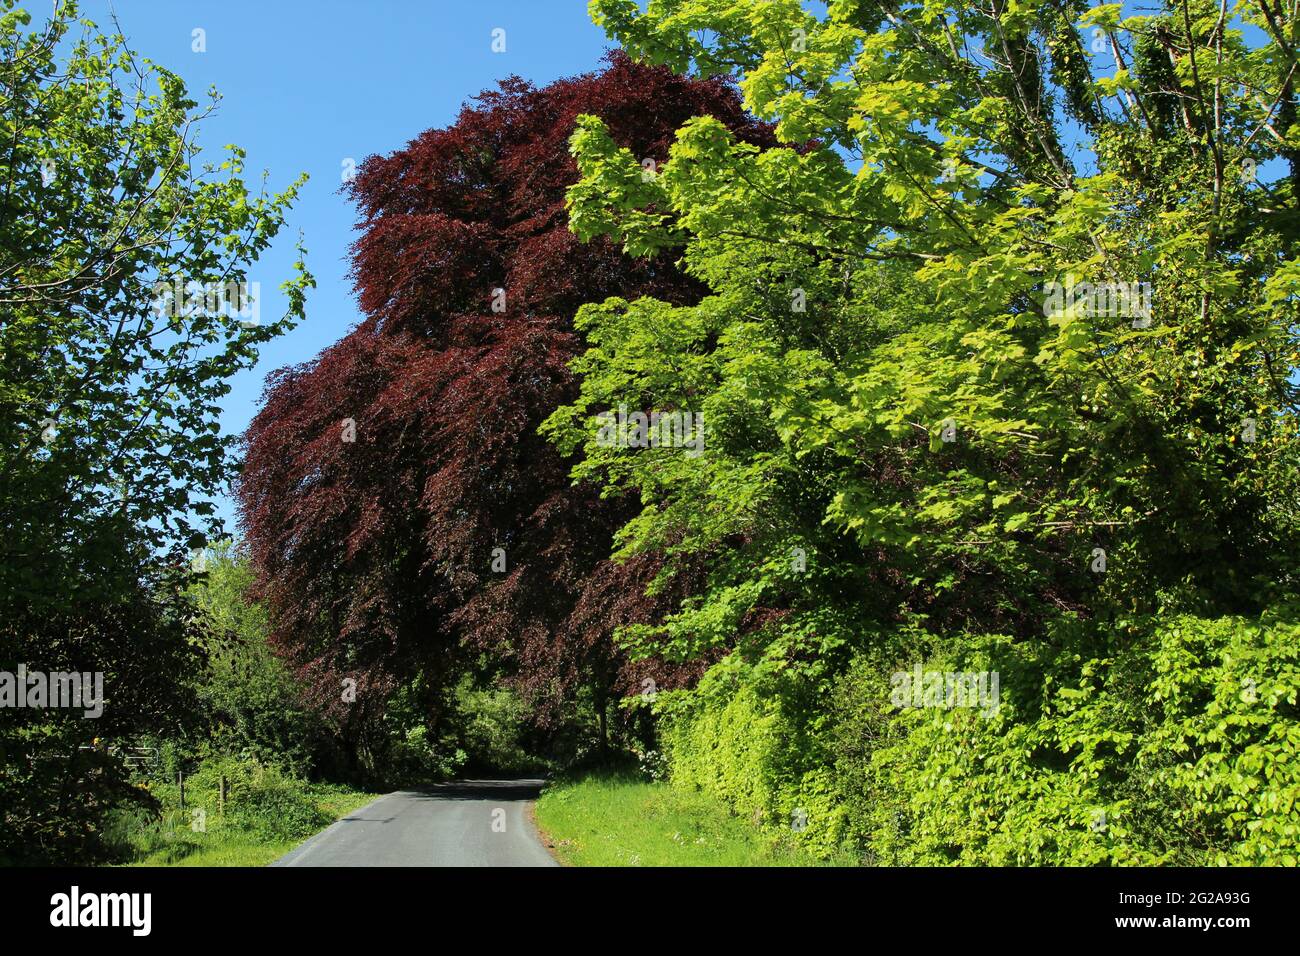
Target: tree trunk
602 706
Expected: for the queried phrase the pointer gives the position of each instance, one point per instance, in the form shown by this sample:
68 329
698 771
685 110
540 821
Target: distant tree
246 696
400 507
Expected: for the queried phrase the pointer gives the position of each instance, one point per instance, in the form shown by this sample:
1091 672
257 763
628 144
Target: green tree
248 698
126 303
108 384
1005 327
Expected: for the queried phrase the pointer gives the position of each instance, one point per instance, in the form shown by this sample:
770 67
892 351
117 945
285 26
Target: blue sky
306 86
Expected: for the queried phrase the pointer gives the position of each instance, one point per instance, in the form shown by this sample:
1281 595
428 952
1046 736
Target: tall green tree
108 383
126 303
1006 328
998 373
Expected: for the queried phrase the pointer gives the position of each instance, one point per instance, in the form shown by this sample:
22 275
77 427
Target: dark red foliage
375 556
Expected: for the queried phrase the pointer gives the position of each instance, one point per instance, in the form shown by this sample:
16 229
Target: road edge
544 838
302 848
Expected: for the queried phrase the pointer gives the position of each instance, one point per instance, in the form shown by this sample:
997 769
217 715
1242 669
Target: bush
58 797
264 805
1169 741
762 755
263 801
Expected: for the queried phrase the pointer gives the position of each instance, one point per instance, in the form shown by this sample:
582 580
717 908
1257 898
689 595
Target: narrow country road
466 823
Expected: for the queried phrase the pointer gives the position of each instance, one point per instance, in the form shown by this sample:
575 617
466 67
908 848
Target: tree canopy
1016 337
403 513
998 372
127 300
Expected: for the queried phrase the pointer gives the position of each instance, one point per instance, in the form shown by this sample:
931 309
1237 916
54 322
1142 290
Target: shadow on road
500 790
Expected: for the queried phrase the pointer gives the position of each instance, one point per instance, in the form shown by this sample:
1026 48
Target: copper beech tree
404 517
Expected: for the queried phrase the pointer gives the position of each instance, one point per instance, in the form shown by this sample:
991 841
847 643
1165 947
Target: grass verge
620 819
251 833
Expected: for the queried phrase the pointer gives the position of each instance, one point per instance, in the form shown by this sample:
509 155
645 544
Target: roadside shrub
276 808
763 755
262 801
1171 740
1166 741
58 796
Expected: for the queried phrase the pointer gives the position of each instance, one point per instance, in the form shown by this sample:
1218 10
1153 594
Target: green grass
172 842
617 819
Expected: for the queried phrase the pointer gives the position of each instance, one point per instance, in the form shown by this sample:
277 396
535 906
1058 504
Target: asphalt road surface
466 823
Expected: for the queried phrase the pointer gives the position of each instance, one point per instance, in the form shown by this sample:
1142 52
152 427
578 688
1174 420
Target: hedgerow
1170 740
